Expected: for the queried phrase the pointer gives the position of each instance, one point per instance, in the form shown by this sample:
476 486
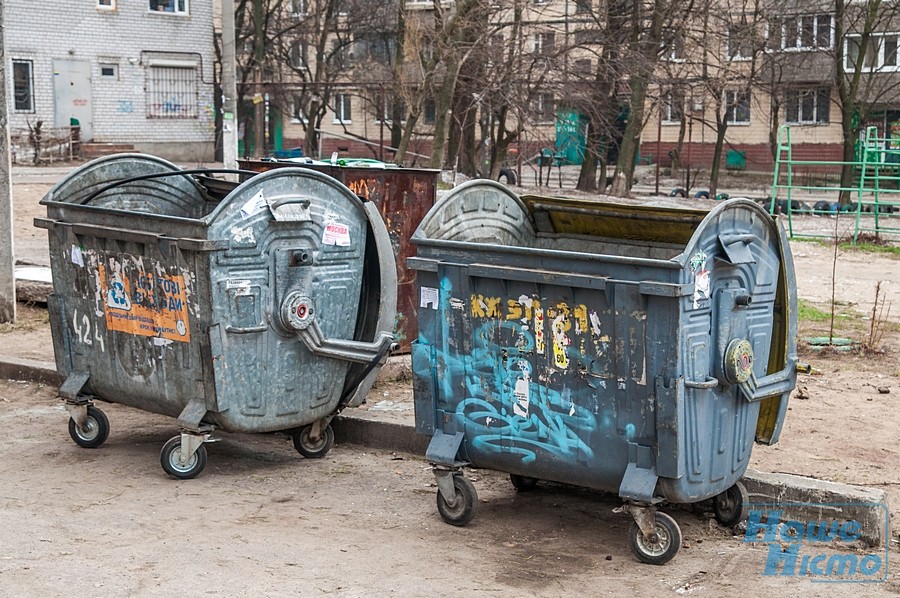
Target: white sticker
428 297
336 234
253 205
233 283
523 399
77 257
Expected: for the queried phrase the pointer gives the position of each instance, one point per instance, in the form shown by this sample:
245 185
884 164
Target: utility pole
229 88
7 255
259 57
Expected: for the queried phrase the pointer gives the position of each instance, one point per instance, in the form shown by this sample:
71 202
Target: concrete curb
799 498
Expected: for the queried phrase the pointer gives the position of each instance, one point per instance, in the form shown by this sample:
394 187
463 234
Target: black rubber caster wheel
463 508
731 507
523 483
658 550
168 458
314 450
95 431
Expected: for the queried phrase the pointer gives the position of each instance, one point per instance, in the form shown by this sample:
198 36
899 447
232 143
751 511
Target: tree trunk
721 128
624 175
587 176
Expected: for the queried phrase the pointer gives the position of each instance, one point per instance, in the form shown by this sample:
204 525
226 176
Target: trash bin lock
195 297
297 311
602 345
738 361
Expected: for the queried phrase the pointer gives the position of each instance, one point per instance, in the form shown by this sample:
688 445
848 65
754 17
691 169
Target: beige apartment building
755 72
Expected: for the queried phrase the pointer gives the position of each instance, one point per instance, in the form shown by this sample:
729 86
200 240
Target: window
807 106
429 113
385 105
169 6
299 54
672 106
376 48
109 71
297 110
802 32
106 4
23 86
582 7
586 37
737 107
542 108
673 46
342 113
542 43
583 67
495 48
739 43
881 53
299 8
172 91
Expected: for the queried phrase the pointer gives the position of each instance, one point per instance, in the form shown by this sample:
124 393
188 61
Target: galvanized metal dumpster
633 349
268 309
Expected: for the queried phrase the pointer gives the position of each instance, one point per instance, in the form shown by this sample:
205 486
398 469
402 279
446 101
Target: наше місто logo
823 550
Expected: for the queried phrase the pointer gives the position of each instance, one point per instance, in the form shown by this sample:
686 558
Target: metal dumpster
268 308
638 350
403 196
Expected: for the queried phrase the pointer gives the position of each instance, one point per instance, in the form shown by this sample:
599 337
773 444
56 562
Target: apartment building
759 72
136 72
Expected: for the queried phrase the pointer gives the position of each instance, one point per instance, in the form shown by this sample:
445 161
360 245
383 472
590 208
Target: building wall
128 37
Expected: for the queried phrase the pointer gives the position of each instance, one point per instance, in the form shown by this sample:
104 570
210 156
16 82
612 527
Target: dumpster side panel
546 381
130 314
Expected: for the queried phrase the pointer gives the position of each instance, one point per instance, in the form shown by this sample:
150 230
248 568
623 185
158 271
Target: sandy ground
263 521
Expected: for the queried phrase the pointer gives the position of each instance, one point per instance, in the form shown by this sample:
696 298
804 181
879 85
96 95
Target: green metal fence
874 194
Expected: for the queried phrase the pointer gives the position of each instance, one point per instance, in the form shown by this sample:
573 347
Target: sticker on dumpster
77 256
144 304
428 297
253 205
701 277
336 233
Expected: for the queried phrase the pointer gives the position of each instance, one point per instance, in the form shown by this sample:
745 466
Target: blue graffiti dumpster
261 307
632 349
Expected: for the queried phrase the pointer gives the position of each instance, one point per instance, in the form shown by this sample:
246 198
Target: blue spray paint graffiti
508 394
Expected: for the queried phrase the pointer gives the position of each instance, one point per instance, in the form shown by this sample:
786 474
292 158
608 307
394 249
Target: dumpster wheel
658 550
523 483
314 449
463 508
731 506
169 459
93 432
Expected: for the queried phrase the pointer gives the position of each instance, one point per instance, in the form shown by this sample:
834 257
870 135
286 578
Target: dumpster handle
159 175
248 330
710 383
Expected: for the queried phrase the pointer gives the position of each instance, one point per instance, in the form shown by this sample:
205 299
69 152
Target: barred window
172 92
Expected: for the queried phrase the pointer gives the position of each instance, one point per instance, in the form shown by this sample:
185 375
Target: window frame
108 65
668 102
816 94
879 66
179 7
110 6
797 33
539 112
730 34
303 9
344 102
30 84
732 106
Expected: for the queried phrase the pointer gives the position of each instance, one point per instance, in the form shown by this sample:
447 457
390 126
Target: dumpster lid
646 222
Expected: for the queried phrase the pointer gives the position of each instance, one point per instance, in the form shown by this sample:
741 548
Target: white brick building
129 71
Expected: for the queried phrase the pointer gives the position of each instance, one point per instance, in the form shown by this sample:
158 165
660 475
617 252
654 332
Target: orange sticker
146 304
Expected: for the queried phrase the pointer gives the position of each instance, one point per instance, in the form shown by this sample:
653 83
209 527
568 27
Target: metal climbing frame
875 193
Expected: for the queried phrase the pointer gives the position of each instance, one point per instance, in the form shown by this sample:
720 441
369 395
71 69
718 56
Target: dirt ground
261 520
